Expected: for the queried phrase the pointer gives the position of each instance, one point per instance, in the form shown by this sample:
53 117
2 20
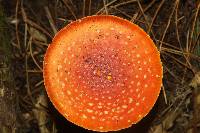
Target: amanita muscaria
102 73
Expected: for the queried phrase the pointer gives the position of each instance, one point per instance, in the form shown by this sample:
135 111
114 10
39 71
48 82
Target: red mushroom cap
102 73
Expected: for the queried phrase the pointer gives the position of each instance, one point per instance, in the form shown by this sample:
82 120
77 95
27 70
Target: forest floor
174 26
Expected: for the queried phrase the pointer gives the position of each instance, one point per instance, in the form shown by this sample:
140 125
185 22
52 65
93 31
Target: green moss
4 36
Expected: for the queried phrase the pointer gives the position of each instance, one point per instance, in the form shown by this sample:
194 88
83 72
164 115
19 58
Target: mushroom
102 73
